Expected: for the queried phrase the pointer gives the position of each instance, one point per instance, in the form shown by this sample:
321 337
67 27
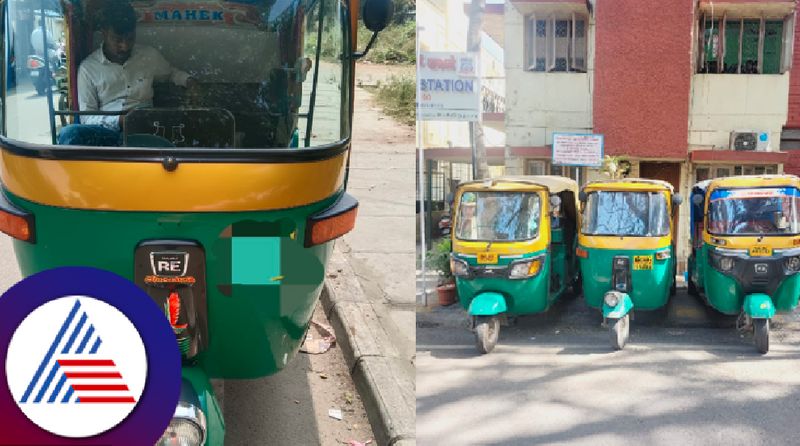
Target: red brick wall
793 121
643 68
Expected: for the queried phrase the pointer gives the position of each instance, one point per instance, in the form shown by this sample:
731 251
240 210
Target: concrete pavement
369 294
686 377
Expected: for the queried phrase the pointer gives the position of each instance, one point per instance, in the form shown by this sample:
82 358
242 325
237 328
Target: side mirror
376 15
697 199
582 196
677 200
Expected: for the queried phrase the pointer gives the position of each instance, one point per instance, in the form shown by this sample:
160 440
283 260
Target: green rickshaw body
650 289
521 296
244 314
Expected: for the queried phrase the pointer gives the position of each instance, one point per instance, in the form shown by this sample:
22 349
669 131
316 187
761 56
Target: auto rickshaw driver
118 76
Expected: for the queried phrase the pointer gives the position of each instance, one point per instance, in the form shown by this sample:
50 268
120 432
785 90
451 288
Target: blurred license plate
760 251
642 262
34 74
487 257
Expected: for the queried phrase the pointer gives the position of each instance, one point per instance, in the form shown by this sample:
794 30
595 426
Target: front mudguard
758 306
487 304
196 389
624 306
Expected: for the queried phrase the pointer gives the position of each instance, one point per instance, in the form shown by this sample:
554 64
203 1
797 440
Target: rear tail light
16 222
582 253
662 255
333 222
35 63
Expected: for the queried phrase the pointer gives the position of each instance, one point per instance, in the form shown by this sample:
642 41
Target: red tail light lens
35 64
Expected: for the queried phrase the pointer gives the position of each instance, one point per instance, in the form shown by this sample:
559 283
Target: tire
761 335
487 330
577 285
620 332
41 87
63 106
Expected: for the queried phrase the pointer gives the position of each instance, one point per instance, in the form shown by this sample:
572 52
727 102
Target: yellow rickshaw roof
553 183
630 183
754 181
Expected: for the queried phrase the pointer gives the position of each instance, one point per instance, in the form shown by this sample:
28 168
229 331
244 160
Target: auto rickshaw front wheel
487 330
619 329
761 334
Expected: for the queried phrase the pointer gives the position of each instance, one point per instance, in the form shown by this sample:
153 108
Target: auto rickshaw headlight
611 299
792 264
522 270
458 267
725 263
187 428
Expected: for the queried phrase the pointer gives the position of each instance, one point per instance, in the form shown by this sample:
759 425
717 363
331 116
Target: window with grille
556 43
745 45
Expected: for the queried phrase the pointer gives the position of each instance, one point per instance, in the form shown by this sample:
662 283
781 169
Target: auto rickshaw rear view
513 248
220 200
745 254
626 249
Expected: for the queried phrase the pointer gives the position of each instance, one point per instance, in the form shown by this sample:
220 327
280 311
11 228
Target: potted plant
439 260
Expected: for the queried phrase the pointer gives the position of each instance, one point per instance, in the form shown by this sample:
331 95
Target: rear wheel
40 83
487 330
620 332
761 334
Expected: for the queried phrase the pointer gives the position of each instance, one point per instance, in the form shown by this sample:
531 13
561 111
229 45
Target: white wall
538 104
722 103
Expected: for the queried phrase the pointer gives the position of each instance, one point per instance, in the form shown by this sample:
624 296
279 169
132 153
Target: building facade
685 90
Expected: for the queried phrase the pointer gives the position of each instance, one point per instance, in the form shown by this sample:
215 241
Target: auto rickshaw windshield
261 74
754 211
637 214
495 216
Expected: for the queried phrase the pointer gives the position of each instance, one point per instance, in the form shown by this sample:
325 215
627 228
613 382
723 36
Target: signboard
577 149
449 87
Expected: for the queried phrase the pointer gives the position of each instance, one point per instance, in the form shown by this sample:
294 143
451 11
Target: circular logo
76 366
87 357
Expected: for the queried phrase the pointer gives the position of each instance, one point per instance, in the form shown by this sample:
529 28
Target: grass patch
395 45
396 97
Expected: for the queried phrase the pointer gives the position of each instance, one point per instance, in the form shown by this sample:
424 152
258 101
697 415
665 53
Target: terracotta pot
447 294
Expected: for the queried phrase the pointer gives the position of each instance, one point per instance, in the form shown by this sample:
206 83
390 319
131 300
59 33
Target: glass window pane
750 47
732 28
251 66
626 213
491 216
773 36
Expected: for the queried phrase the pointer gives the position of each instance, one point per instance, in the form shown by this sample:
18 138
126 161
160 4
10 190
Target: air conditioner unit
749 140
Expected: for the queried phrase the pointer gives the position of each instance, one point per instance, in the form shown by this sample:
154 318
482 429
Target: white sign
576 149
449 87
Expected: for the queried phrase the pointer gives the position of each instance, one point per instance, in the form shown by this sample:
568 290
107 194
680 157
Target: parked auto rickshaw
513 248
223 206
626 249
745 254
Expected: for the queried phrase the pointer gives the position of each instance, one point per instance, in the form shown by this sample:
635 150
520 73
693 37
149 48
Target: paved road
554 380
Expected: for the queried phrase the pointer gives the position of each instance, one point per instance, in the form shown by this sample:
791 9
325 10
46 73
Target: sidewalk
369 293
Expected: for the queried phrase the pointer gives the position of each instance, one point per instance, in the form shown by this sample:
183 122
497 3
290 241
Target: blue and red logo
88 357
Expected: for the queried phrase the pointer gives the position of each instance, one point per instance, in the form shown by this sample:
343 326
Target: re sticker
642 262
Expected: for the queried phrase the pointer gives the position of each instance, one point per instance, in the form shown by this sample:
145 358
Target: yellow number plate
760 251
487 257
642 262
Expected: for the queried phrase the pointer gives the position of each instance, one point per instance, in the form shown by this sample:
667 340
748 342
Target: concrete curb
383 378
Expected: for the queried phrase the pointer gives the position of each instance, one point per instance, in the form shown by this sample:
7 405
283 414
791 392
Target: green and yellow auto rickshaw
626 249
745 254
513 248
222 204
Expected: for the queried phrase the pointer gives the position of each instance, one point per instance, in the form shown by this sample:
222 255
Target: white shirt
107 86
